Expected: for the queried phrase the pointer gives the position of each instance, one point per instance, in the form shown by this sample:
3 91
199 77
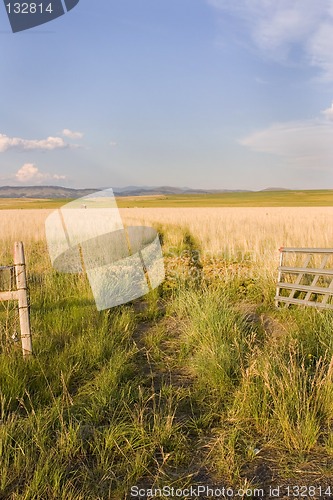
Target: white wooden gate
307 279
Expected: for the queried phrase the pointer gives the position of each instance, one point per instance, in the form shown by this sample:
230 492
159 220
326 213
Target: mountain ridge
47 192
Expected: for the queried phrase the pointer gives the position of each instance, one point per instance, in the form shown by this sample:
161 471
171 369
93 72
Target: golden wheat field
258 232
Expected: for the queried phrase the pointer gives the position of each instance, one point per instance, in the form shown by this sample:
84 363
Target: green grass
31 203
297 198
251 199
180 388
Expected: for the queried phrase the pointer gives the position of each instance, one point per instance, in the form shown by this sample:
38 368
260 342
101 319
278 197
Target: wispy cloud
305 144
30 173
48 144
276 28
328 113
71 134
261 81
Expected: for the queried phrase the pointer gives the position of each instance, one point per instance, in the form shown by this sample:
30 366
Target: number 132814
28 8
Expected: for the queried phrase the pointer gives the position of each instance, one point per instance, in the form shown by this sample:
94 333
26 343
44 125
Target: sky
211 94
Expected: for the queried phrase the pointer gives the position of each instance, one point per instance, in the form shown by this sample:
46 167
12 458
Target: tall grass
265 392
201 375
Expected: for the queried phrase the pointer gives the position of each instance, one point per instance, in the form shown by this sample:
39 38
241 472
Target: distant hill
43 192
275 189
153 191
47 192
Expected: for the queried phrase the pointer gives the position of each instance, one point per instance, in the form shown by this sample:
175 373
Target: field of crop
313 198
201 382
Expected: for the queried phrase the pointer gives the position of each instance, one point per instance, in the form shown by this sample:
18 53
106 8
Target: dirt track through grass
159 344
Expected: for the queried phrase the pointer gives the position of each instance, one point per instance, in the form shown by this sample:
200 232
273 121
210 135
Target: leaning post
279 277
22 295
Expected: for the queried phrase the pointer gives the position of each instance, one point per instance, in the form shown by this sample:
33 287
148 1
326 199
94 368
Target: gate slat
301 302
317 276
4 296
300 276
307 288
305 270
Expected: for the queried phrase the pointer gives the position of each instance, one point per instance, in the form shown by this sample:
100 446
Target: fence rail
309 283
17 279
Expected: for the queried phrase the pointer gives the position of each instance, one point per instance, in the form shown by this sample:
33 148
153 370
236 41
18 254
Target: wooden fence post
22 296
279 277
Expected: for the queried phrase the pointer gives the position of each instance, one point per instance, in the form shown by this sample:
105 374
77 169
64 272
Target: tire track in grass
179 460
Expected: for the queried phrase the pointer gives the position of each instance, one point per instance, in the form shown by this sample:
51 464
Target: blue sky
230 94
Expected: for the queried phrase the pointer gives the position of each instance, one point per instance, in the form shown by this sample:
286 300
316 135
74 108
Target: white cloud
30 173
306 144
275 28
48 144
72 135
27 172
328 113
319 48
113 144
